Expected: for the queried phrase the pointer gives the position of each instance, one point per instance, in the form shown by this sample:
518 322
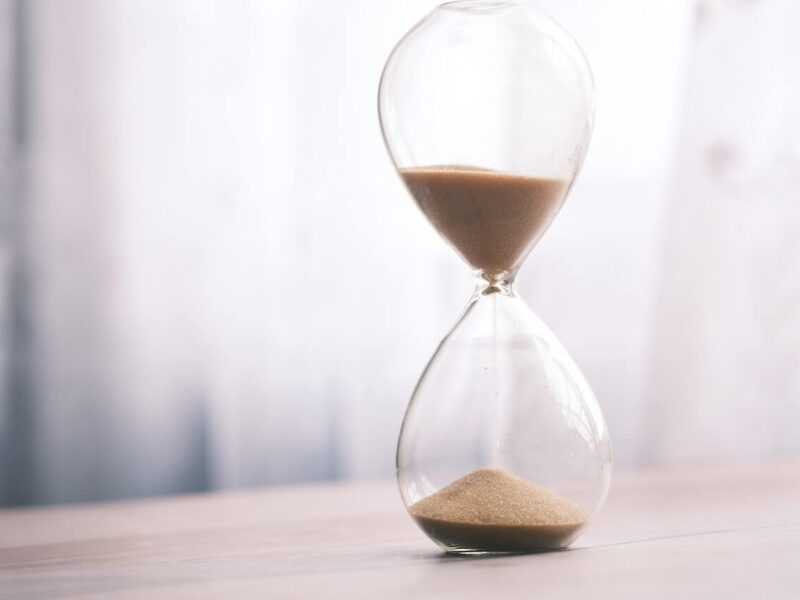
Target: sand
492 219
492 510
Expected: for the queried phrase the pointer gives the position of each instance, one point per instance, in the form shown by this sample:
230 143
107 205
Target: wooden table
677 533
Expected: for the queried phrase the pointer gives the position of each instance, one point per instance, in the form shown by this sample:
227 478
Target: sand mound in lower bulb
492 510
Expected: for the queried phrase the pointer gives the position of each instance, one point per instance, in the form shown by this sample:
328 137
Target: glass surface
486 109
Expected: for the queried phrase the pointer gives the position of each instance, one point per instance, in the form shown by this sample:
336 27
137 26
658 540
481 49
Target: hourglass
486 109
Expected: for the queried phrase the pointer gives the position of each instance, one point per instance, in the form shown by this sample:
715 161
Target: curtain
213 278
724 380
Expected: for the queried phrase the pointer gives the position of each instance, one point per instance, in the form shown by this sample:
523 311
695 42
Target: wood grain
701 532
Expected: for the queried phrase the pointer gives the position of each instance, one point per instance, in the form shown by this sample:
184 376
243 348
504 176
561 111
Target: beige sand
492 510
492 219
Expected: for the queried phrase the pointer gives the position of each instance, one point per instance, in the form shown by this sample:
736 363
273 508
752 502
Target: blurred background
211 277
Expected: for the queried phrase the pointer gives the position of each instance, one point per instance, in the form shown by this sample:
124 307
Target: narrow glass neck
486 287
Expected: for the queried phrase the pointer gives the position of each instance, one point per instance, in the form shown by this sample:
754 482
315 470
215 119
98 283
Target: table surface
708 532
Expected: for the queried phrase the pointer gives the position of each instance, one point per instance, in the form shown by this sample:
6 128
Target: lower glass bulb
503 447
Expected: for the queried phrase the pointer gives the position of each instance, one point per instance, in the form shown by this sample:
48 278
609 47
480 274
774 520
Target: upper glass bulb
495 86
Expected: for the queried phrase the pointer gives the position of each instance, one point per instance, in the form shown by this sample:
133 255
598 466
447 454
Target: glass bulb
486 109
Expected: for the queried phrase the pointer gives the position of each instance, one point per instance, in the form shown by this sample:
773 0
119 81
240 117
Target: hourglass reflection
486 109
